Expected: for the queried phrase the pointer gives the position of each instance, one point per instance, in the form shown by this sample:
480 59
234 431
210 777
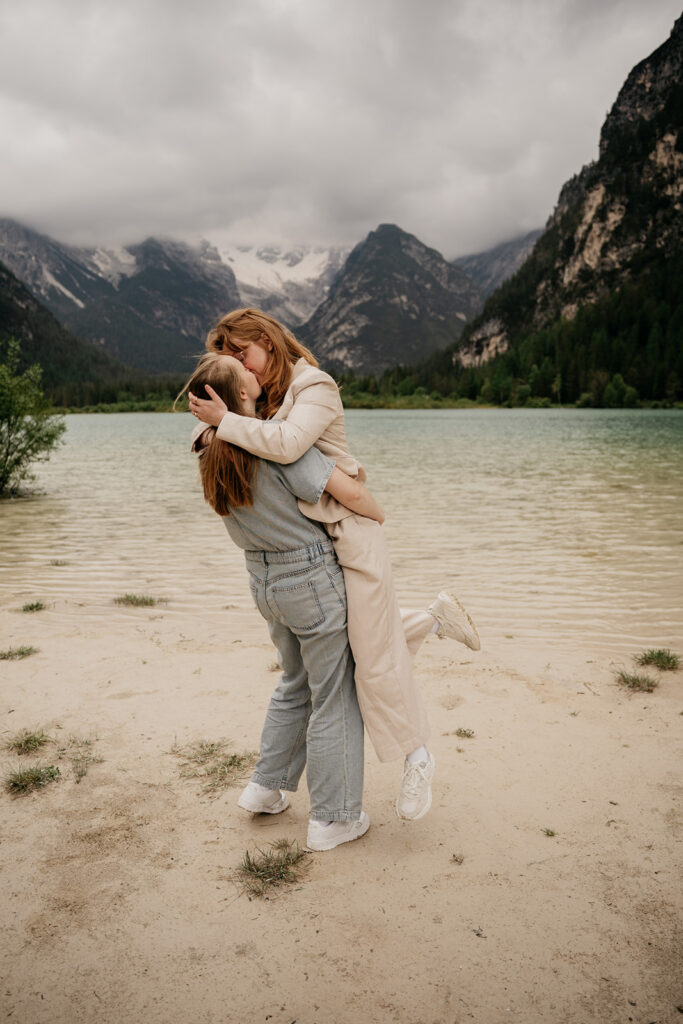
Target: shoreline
399 404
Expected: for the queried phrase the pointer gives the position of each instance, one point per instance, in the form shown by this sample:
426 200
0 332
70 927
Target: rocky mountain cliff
394 301
491 268
157 318
616 222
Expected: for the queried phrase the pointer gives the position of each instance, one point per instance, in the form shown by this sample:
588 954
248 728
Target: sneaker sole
282 805
322 846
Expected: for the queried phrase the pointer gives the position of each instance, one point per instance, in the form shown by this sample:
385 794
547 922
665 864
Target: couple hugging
275 464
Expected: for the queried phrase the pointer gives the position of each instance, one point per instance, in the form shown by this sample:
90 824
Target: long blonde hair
243 327
227 472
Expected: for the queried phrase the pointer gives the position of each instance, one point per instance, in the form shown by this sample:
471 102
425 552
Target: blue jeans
313 718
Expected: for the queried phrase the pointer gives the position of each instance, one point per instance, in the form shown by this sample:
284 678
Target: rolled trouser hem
267 783
392 751
334 815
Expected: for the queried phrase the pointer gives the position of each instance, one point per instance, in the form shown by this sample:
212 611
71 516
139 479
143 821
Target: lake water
564 526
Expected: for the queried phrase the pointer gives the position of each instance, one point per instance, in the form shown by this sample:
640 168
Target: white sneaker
454 621
260 800
326 837
415 796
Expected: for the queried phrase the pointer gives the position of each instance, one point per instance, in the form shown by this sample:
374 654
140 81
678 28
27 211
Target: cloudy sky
307 121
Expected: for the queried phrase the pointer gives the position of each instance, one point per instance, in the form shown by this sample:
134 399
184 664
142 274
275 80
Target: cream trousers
383 639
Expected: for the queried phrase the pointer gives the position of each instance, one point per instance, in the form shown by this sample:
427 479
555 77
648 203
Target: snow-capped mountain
287 283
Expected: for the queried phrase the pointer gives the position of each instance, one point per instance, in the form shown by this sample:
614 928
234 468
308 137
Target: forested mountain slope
601 294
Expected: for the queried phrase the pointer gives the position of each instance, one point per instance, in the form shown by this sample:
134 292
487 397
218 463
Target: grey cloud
307 120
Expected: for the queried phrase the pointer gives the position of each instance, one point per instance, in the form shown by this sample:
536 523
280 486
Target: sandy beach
119 897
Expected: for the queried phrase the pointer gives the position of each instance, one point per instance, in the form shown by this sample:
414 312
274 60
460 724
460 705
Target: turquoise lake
564 526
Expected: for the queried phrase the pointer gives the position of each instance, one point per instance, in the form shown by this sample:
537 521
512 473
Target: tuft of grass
139 600
58 561
282 863
549 832
636 683
211 763
465 734
34 606
80 763
78 750
659 657
457 858
25 780
17 653
26 741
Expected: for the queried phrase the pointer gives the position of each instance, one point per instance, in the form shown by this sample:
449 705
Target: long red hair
243 327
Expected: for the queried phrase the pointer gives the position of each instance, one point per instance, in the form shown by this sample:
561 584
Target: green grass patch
76 750
26 741
139 600
25 780
282 863
210 762
17 653
549 832
635 682
34 606
659 657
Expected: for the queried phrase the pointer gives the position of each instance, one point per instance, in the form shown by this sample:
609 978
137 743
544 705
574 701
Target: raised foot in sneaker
326 837
260 800
415 796
454 621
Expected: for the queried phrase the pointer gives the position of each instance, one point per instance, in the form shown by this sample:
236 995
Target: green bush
28 430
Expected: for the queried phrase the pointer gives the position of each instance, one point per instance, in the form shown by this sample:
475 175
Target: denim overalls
313 718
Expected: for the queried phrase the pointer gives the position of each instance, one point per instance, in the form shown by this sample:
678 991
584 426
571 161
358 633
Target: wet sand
118 894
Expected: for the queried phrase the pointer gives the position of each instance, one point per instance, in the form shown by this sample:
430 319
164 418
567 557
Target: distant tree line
136 393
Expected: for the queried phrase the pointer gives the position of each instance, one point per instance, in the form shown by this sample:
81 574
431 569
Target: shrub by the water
28 429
